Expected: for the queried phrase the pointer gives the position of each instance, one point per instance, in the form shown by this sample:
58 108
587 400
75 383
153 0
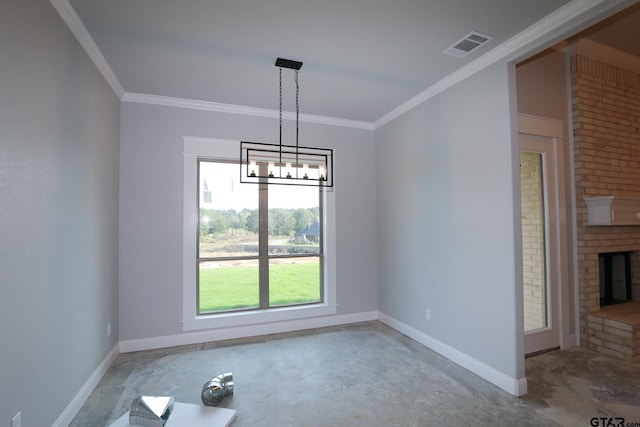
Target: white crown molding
168 101
543 31
71 18
600 52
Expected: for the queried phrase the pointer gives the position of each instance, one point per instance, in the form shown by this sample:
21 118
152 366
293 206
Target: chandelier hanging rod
293 65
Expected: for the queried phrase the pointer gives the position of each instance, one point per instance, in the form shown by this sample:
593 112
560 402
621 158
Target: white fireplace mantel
613 210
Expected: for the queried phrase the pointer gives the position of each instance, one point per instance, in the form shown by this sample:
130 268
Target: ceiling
362 58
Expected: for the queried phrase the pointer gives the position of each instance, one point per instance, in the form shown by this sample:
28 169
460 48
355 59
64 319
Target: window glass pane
229 218
228 285
293 220
533 241
294 280
228 221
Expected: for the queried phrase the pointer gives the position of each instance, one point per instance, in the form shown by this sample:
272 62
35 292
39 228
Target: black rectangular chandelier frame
285 164
263 163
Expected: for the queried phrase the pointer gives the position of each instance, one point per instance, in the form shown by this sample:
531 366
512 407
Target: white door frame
542 135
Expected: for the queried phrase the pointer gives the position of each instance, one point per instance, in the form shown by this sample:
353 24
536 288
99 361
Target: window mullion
263 238
197 232
321 194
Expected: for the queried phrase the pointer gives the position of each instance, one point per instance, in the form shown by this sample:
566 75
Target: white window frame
222 149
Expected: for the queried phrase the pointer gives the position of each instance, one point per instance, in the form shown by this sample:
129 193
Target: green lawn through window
231 288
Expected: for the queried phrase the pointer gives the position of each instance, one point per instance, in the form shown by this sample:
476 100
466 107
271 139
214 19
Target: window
253 253
259 246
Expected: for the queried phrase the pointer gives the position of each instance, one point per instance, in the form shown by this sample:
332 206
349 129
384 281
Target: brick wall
614 338
606 126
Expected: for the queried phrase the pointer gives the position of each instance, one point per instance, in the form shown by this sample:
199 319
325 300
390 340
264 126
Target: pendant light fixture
262 163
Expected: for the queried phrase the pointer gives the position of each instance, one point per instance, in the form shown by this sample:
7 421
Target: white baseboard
243 331
76 403
514 386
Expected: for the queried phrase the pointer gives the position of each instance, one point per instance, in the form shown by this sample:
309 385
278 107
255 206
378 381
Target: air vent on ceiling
468 43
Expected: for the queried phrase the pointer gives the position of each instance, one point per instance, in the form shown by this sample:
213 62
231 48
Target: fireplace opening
615 278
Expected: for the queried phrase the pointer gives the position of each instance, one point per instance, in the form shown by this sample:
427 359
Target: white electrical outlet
109 329
427 314
16 421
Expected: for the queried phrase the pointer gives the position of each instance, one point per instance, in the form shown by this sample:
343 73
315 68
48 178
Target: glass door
539 204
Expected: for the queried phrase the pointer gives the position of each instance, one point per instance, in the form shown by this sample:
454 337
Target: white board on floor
186 414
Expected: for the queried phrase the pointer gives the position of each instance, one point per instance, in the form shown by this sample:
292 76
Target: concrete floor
366 375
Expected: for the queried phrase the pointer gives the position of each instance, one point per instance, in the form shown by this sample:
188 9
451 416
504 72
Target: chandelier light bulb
321 172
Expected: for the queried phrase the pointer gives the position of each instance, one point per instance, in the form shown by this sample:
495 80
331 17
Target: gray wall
59 138
446 212
151 209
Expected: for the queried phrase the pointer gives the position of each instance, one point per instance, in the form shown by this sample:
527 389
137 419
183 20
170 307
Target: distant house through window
310 234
